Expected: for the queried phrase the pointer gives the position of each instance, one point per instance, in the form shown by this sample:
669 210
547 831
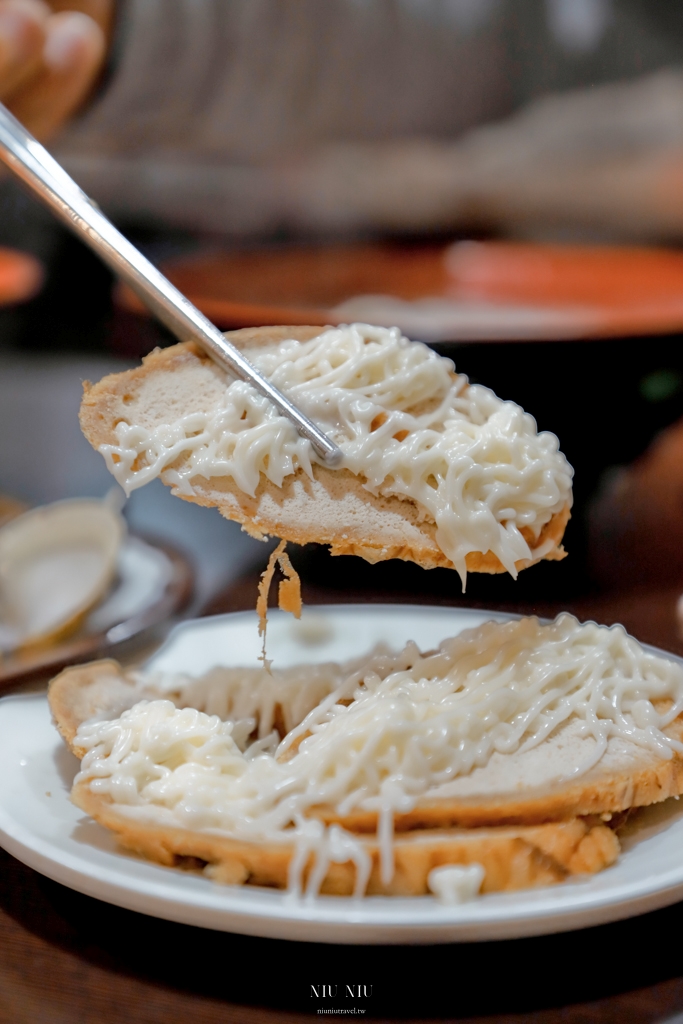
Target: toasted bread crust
610 793
333 508
96 689
512 858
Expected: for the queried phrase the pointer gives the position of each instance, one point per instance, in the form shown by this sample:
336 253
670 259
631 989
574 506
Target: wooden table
68 959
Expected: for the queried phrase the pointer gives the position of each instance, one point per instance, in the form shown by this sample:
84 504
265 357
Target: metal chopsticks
32 163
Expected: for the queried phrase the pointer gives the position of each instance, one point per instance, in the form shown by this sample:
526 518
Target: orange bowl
469 290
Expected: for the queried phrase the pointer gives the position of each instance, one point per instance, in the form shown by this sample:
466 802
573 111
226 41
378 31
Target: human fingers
22 37
73 56
101 11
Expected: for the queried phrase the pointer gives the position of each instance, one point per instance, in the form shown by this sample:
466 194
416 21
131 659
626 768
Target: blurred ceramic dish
56 563
40 826
21 276
469 291
152 583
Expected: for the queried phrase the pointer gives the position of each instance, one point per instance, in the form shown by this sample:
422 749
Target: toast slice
333 508
513 857
521 857
520 788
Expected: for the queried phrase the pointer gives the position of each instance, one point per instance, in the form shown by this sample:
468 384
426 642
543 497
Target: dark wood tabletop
69 959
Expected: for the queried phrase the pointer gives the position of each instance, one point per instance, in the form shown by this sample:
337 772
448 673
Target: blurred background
502 179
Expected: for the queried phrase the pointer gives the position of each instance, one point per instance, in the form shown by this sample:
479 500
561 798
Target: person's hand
50 58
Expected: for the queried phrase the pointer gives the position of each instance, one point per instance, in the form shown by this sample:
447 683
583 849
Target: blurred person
250 117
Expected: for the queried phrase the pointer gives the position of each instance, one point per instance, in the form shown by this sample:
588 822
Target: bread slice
512 815
517 857
511 789
333 508
512 858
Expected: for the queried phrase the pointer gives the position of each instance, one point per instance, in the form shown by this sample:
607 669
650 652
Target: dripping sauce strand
288 595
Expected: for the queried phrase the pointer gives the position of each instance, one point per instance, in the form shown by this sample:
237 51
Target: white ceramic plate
40 827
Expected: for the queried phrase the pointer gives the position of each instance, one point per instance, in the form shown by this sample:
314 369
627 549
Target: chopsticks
48 180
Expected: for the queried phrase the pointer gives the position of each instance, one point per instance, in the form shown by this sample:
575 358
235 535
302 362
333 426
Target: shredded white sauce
456 883
255 697
407 425
388 735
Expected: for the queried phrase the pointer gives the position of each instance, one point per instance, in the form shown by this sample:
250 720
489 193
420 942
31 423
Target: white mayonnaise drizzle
391 733
406 423
255 698
456 883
